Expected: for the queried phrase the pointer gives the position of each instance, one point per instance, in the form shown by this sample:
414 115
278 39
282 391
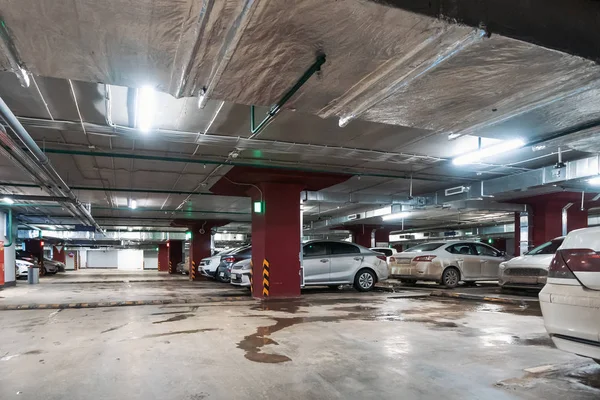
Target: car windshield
546 248
425 247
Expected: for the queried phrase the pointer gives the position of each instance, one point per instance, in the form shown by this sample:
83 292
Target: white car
240 273
387 251
570 301
208 266
530 270
22 268
448 263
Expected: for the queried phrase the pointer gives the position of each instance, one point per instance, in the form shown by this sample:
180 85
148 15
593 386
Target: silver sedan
447 263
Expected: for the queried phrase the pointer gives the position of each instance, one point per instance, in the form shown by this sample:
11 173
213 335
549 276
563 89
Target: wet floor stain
289 306
172 333
114 328
169 312
33 352
535 341
253 344
175 318
357 308
580 381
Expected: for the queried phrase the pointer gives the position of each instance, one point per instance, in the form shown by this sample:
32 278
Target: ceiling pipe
55 183
26 197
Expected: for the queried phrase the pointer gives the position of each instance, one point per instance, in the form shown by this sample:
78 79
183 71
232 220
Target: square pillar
58 253
199 248
175 254
276 242
35 247
548 220
163 257
362 235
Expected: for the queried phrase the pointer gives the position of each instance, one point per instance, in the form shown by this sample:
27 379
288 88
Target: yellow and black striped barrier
193 271
266 278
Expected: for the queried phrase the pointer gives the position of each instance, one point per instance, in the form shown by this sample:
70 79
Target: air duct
36 164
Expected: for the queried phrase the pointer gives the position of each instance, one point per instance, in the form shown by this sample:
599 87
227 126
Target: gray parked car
334 263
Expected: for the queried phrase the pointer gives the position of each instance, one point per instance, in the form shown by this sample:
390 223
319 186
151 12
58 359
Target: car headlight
502 266
247 267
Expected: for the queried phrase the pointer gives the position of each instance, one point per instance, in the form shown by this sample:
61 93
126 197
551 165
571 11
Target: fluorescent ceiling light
146 108
133 204
594 181
392 217
479 155
8 200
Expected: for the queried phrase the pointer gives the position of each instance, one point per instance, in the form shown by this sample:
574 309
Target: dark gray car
223 272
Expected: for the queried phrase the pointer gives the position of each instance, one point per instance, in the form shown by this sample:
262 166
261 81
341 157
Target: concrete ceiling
419 91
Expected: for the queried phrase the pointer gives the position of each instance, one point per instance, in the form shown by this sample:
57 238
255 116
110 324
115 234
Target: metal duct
40 167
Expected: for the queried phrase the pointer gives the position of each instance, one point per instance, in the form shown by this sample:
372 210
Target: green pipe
234 163
274 110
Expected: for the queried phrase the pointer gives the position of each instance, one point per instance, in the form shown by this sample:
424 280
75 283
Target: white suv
570 300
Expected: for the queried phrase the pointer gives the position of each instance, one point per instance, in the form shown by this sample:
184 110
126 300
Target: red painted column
163 257
382 235
576 218
35 247
58 253
361 235
276 239
547 220
175 254
517 246
199 249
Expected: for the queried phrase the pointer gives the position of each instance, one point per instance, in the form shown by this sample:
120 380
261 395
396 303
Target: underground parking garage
360 199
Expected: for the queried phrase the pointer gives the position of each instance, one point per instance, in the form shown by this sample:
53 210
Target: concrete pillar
382 235
200 247
547 220
175 254
35 247
276 240
58 253
362 235
163 257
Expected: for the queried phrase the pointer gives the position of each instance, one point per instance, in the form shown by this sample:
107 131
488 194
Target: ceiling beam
567 26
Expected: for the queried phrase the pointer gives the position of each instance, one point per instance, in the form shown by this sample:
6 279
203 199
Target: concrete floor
324 346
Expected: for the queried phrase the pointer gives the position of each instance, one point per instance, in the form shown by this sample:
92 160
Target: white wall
130 259
102 259
150 259
9 252
83 259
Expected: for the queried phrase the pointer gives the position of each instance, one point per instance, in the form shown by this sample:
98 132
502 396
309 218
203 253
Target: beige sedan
447 262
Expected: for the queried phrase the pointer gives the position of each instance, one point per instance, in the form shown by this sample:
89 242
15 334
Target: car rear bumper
571 314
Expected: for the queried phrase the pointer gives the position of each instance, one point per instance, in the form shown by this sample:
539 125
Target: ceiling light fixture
133 204
146 108
478 155
8 200
594 181
395 216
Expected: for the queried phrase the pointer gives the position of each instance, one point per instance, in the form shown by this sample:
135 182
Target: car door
467 260
315 262
490 260
346 260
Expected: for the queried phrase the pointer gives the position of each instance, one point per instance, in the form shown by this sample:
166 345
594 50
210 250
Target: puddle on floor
175 318
172 333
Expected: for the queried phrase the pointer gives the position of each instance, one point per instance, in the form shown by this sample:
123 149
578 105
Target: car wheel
450 277
364 280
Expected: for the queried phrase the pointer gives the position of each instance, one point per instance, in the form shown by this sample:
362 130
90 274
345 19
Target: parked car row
325 263
566 269
25 260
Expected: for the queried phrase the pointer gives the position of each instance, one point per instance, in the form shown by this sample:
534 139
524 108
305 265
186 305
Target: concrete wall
9 252
131 259
102 259
150 259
